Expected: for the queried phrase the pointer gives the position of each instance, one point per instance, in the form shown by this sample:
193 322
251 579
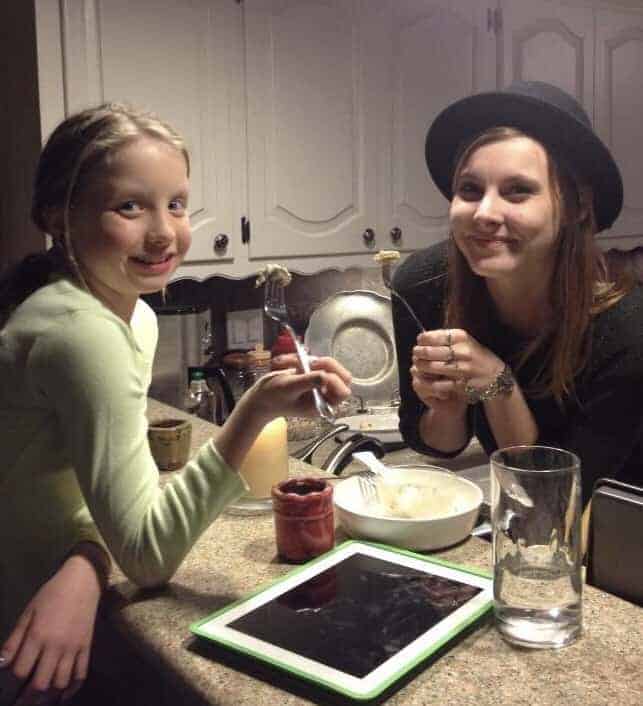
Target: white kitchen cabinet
340 96
311 122
619 113
308 117
595 52
431 54
548 41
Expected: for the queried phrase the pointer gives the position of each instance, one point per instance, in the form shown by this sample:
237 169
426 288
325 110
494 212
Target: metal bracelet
502 385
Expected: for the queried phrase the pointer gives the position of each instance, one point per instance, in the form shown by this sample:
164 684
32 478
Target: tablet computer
356 619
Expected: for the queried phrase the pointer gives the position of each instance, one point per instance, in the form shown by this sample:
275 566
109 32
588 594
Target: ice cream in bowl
421 507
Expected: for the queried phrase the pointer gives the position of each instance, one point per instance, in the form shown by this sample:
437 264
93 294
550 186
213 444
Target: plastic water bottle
199 399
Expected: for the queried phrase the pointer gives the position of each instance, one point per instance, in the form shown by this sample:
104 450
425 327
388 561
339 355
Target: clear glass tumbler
535 514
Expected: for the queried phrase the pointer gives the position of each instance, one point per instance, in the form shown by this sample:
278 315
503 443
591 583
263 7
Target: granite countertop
237 554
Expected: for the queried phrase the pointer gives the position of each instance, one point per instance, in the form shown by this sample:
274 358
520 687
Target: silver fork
368 487
275 307
368 479
387 276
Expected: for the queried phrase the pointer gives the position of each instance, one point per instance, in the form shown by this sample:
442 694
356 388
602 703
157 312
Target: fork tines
368 488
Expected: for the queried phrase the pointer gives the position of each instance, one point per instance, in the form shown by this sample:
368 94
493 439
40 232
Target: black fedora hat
542 111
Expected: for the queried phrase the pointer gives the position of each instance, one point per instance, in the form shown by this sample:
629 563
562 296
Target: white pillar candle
267 461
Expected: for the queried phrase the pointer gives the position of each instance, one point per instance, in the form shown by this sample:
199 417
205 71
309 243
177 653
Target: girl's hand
284 392
287 391
444 360
51 642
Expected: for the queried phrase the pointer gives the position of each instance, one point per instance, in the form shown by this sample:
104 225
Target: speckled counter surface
237 554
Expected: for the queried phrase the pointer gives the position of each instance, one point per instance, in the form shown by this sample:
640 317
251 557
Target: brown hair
580 286
74 152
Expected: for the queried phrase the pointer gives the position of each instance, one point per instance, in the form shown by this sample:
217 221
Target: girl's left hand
456 356
51 641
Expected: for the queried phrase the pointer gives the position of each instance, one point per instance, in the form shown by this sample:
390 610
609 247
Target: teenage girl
528 339
76 351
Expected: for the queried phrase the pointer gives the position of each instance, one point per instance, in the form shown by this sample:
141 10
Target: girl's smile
485 241
155 265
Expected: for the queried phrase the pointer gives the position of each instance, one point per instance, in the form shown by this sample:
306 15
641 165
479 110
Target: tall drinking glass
535 513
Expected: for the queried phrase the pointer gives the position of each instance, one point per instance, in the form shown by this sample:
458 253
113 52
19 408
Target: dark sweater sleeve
605 426
421 280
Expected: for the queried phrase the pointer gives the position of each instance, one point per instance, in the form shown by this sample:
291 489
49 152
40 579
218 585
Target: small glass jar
258 364
244 368
235 365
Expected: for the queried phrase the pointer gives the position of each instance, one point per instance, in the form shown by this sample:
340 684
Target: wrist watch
502 385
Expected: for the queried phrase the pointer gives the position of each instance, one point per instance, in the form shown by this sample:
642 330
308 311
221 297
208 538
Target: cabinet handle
368 236
396 234
221 243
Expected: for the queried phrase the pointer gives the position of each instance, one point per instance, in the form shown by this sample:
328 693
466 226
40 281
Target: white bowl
362 521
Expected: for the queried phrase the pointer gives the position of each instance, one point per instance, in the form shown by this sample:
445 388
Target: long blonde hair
71 158
580 283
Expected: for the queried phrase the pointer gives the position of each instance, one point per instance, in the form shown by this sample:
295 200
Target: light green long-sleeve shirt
75 460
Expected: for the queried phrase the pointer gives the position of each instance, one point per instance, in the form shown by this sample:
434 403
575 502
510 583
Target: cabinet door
432 53
619 50
312 149
179 59
546 41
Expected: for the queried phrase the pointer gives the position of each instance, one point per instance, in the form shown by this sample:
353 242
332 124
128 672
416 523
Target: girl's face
130 228
502 214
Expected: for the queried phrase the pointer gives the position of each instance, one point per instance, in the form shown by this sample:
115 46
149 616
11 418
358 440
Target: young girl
527 340
76 351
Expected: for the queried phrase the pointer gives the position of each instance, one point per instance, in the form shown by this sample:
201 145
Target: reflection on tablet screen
357 614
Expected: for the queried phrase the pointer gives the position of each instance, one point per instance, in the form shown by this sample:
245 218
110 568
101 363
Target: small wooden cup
170 442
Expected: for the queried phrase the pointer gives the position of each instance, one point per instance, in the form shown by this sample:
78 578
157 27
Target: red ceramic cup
304 522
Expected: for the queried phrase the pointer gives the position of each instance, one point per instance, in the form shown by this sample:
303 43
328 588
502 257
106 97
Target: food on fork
278 274
385 256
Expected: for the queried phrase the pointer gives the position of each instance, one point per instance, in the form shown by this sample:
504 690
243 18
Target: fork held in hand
387 276
275 308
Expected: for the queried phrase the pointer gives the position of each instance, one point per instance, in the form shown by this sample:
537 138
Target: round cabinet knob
221 243
396 234
368 236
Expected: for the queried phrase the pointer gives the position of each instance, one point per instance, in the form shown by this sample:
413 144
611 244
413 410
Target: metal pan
356 328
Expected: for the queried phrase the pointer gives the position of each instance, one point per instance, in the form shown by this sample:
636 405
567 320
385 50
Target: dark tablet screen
357 614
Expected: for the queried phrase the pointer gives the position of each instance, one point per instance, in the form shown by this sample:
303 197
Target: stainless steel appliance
184 343
184 334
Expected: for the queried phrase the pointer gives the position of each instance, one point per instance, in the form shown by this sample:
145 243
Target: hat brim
561 133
